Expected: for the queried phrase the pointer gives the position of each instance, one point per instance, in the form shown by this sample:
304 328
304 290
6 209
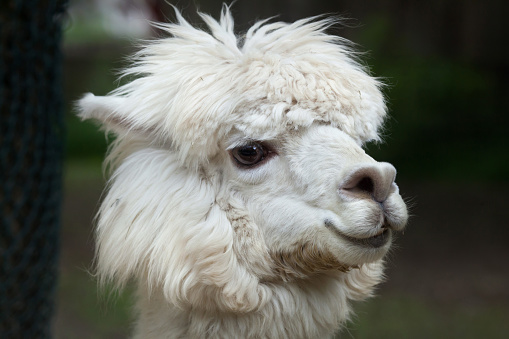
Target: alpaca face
238 165
316 189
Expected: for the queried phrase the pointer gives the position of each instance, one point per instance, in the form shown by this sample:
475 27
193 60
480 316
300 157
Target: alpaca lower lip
378 240
375 241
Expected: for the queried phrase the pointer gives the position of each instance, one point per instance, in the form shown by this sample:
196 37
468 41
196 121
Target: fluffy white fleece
223 250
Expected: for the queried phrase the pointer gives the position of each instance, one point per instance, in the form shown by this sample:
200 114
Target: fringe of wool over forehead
193 88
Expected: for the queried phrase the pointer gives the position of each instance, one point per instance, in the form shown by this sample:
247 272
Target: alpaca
241 201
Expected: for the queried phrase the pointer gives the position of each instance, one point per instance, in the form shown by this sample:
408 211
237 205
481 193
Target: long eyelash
242 142
269 147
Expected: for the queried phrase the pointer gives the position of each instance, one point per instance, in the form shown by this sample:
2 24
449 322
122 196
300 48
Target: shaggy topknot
195 87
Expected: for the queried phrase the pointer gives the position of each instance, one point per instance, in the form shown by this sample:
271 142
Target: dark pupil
249 155
248 152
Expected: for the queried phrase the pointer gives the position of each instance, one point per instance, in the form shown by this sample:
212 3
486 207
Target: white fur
221 251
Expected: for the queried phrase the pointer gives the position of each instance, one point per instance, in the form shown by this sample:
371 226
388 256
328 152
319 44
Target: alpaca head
238 165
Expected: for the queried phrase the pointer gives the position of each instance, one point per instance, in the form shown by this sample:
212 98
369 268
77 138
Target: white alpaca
241 201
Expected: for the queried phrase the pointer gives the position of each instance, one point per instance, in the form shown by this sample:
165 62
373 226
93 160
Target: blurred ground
448 276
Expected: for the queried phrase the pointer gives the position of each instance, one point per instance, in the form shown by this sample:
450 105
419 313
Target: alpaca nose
373 181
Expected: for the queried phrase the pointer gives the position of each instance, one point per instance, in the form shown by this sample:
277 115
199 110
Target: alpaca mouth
381 238
378 240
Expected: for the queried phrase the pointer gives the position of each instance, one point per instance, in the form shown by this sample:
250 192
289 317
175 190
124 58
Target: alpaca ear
108 111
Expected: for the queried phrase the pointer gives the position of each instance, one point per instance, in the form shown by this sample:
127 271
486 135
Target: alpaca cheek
248 243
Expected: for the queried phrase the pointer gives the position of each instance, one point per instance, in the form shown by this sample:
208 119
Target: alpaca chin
241 201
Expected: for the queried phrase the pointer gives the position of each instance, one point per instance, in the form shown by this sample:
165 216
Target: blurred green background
446 67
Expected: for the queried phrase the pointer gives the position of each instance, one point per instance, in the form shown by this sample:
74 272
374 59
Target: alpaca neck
313 308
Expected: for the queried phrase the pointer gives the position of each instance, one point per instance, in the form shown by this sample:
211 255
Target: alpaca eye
249 155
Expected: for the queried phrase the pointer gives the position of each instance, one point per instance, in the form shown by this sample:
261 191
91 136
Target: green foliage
446 120
84 139
86 31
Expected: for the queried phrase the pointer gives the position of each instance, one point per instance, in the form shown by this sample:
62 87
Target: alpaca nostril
374 182
365 185
360 185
